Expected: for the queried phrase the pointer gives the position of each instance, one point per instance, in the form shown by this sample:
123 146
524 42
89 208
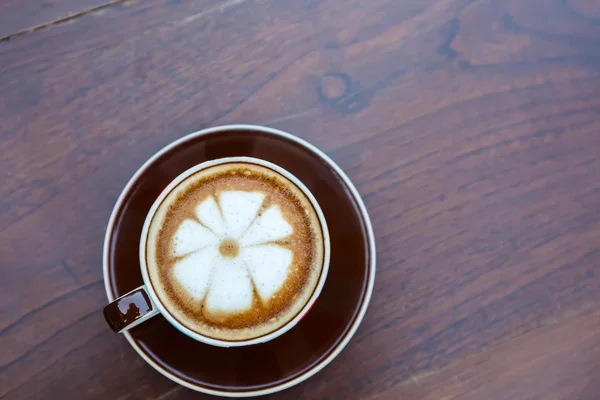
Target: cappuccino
235 251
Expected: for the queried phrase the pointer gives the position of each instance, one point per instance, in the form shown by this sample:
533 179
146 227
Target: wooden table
471 128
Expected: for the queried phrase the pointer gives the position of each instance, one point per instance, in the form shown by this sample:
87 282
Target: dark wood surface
19 17
471 128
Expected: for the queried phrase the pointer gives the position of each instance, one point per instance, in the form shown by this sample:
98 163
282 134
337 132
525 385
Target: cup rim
263 338
370 237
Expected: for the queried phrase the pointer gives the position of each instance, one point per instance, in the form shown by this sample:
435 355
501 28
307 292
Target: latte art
231 250
235 251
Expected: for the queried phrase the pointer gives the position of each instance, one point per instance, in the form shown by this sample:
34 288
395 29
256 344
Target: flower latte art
231 251
235 251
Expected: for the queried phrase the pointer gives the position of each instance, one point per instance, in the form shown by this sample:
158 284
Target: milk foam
226 283
269 266
235 251
268 227
230 288
192 237
194 271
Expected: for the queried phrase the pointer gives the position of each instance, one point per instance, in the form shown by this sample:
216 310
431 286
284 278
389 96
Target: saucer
319 337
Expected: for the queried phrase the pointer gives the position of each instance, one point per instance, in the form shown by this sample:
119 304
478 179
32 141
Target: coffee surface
235 251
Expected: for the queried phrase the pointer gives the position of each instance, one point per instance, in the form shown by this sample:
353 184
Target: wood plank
470 128
539 364
18 17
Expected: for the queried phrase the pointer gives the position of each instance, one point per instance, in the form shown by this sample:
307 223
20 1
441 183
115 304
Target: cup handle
130 310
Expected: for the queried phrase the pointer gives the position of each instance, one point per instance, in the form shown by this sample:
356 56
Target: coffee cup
233 252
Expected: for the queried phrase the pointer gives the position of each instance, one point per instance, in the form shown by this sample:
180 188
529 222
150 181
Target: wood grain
18 17
470 128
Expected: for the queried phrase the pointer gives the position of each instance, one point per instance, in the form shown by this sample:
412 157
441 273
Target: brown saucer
326 329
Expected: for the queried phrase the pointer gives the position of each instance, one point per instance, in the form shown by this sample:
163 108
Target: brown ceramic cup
143 303
316 339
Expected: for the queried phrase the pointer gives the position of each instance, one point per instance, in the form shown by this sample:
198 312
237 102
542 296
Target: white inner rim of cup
371 276
144 238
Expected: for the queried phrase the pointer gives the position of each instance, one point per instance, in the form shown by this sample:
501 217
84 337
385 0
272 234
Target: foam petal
230 287
239 208
209 214
269 266
270 226
193 272
191 237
